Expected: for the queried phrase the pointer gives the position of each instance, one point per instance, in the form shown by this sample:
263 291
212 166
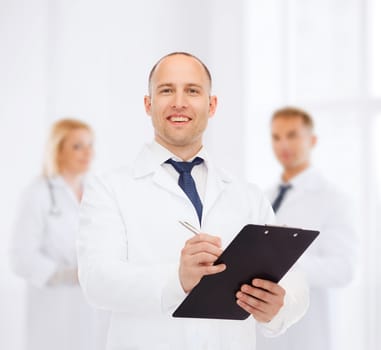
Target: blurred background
90 59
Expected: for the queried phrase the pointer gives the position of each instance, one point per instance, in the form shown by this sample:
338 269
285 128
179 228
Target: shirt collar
304 179
57 181
154 155
162 154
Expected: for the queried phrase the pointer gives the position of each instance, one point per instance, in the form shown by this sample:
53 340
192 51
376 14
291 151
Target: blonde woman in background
43 248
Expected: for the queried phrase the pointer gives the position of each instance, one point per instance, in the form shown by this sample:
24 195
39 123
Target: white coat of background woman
43 246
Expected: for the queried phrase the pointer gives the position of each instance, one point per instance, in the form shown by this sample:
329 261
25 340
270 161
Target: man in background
304 198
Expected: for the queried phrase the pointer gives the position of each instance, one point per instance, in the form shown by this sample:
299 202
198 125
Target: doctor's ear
147 104
314 140
212 105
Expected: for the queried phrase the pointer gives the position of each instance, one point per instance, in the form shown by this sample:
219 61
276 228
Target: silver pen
190 227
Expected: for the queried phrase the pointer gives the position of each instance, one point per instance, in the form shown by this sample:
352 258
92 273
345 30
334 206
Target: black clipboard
258 251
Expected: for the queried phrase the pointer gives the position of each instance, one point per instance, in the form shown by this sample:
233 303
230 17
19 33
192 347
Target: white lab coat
314 203
129 247
58 317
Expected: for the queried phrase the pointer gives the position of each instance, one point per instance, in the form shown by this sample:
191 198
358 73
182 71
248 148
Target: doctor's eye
77 146
193 91
165 91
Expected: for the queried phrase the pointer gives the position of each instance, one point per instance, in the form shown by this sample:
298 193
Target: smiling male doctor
138 262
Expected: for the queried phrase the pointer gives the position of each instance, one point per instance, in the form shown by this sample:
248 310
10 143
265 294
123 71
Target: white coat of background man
138 262
304 198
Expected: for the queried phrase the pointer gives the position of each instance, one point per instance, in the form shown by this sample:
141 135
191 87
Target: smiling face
180 104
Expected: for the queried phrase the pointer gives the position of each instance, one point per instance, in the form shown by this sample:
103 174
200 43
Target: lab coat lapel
217 180
163 179
147 164
216 184
59 182
307 181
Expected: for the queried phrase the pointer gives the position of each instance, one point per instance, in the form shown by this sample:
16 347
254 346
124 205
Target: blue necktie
187 183
278 200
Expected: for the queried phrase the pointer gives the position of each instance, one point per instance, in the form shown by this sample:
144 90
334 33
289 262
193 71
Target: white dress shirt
199 172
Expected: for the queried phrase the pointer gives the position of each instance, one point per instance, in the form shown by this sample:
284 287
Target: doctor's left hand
262 299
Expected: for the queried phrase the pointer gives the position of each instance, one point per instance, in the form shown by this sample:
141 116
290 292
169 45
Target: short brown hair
178 53
290 112
58 133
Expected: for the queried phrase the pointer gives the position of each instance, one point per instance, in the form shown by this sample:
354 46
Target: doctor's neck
290 172
185 151
75 182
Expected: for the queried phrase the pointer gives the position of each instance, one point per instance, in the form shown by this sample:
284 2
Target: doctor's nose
89 150
282 143
179 101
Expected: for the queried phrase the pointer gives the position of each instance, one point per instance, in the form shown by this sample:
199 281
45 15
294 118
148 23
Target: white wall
90 59
23 125
317 55
98 67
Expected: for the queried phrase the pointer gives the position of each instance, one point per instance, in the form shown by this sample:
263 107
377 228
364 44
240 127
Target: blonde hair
58 133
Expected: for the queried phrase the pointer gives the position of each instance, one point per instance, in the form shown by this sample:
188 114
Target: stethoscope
54 209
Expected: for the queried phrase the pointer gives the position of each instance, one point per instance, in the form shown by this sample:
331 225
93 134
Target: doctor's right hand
197 258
